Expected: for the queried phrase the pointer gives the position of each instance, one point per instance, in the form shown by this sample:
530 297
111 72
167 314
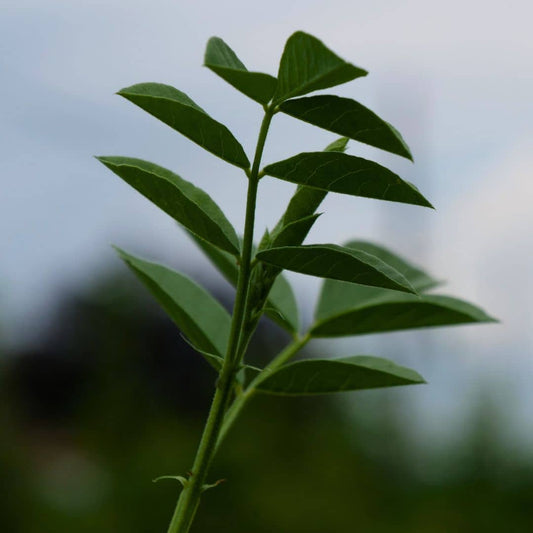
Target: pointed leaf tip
339 145
335 262
349 118
307 65
348 309
346 174
322 376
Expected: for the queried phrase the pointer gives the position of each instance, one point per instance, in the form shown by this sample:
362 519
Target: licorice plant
367 288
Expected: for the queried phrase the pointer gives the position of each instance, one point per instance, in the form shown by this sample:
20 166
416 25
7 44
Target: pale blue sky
456 78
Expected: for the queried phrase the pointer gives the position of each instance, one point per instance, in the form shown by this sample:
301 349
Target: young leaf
281 304
320 376
308 65
178 111
338 145
222 60
348 117
184 202
346 174
389 311
335 262
304 202
294 233
198 315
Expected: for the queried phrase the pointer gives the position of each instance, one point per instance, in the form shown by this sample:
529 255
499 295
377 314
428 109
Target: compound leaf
320 376
335 262
349 118
346 174
178 111
196 313
308 65
222 60
183 201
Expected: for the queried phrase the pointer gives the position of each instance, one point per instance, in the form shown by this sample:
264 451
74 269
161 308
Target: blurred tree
94 413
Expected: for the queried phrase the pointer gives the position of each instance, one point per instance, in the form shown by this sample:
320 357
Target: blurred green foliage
113 398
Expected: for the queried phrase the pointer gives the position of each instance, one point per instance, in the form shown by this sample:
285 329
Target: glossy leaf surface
183 201
178 111
222 60
349 118
320 376
346 174
335 262
308 65
198 315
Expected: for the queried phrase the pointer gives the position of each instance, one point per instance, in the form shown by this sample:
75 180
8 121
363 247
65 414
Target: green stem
190 495
239 403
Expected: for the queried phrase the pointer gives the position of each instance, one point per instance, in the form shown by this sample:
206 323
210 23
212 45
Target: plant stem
239 403
190 495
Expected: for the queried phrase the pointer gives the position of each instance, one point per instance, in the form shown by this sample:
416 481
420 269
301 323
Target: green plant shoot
367 288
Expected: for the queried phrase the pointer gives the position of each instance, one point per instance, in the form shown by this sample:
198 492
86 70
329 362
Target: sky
456 78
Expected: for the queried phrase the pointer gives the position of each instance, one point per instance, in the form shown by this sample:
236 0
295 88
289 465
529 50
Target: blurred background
99 394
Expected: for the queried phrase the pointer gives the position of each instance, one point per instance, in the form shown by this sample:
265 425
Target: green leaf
303 203
223 261
420 280
350 118
198 315
308 65
346 174
338 145
335 262
320 376
347 309
222 60
184 202
389 312
179 112
294 233
281 304
306 200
